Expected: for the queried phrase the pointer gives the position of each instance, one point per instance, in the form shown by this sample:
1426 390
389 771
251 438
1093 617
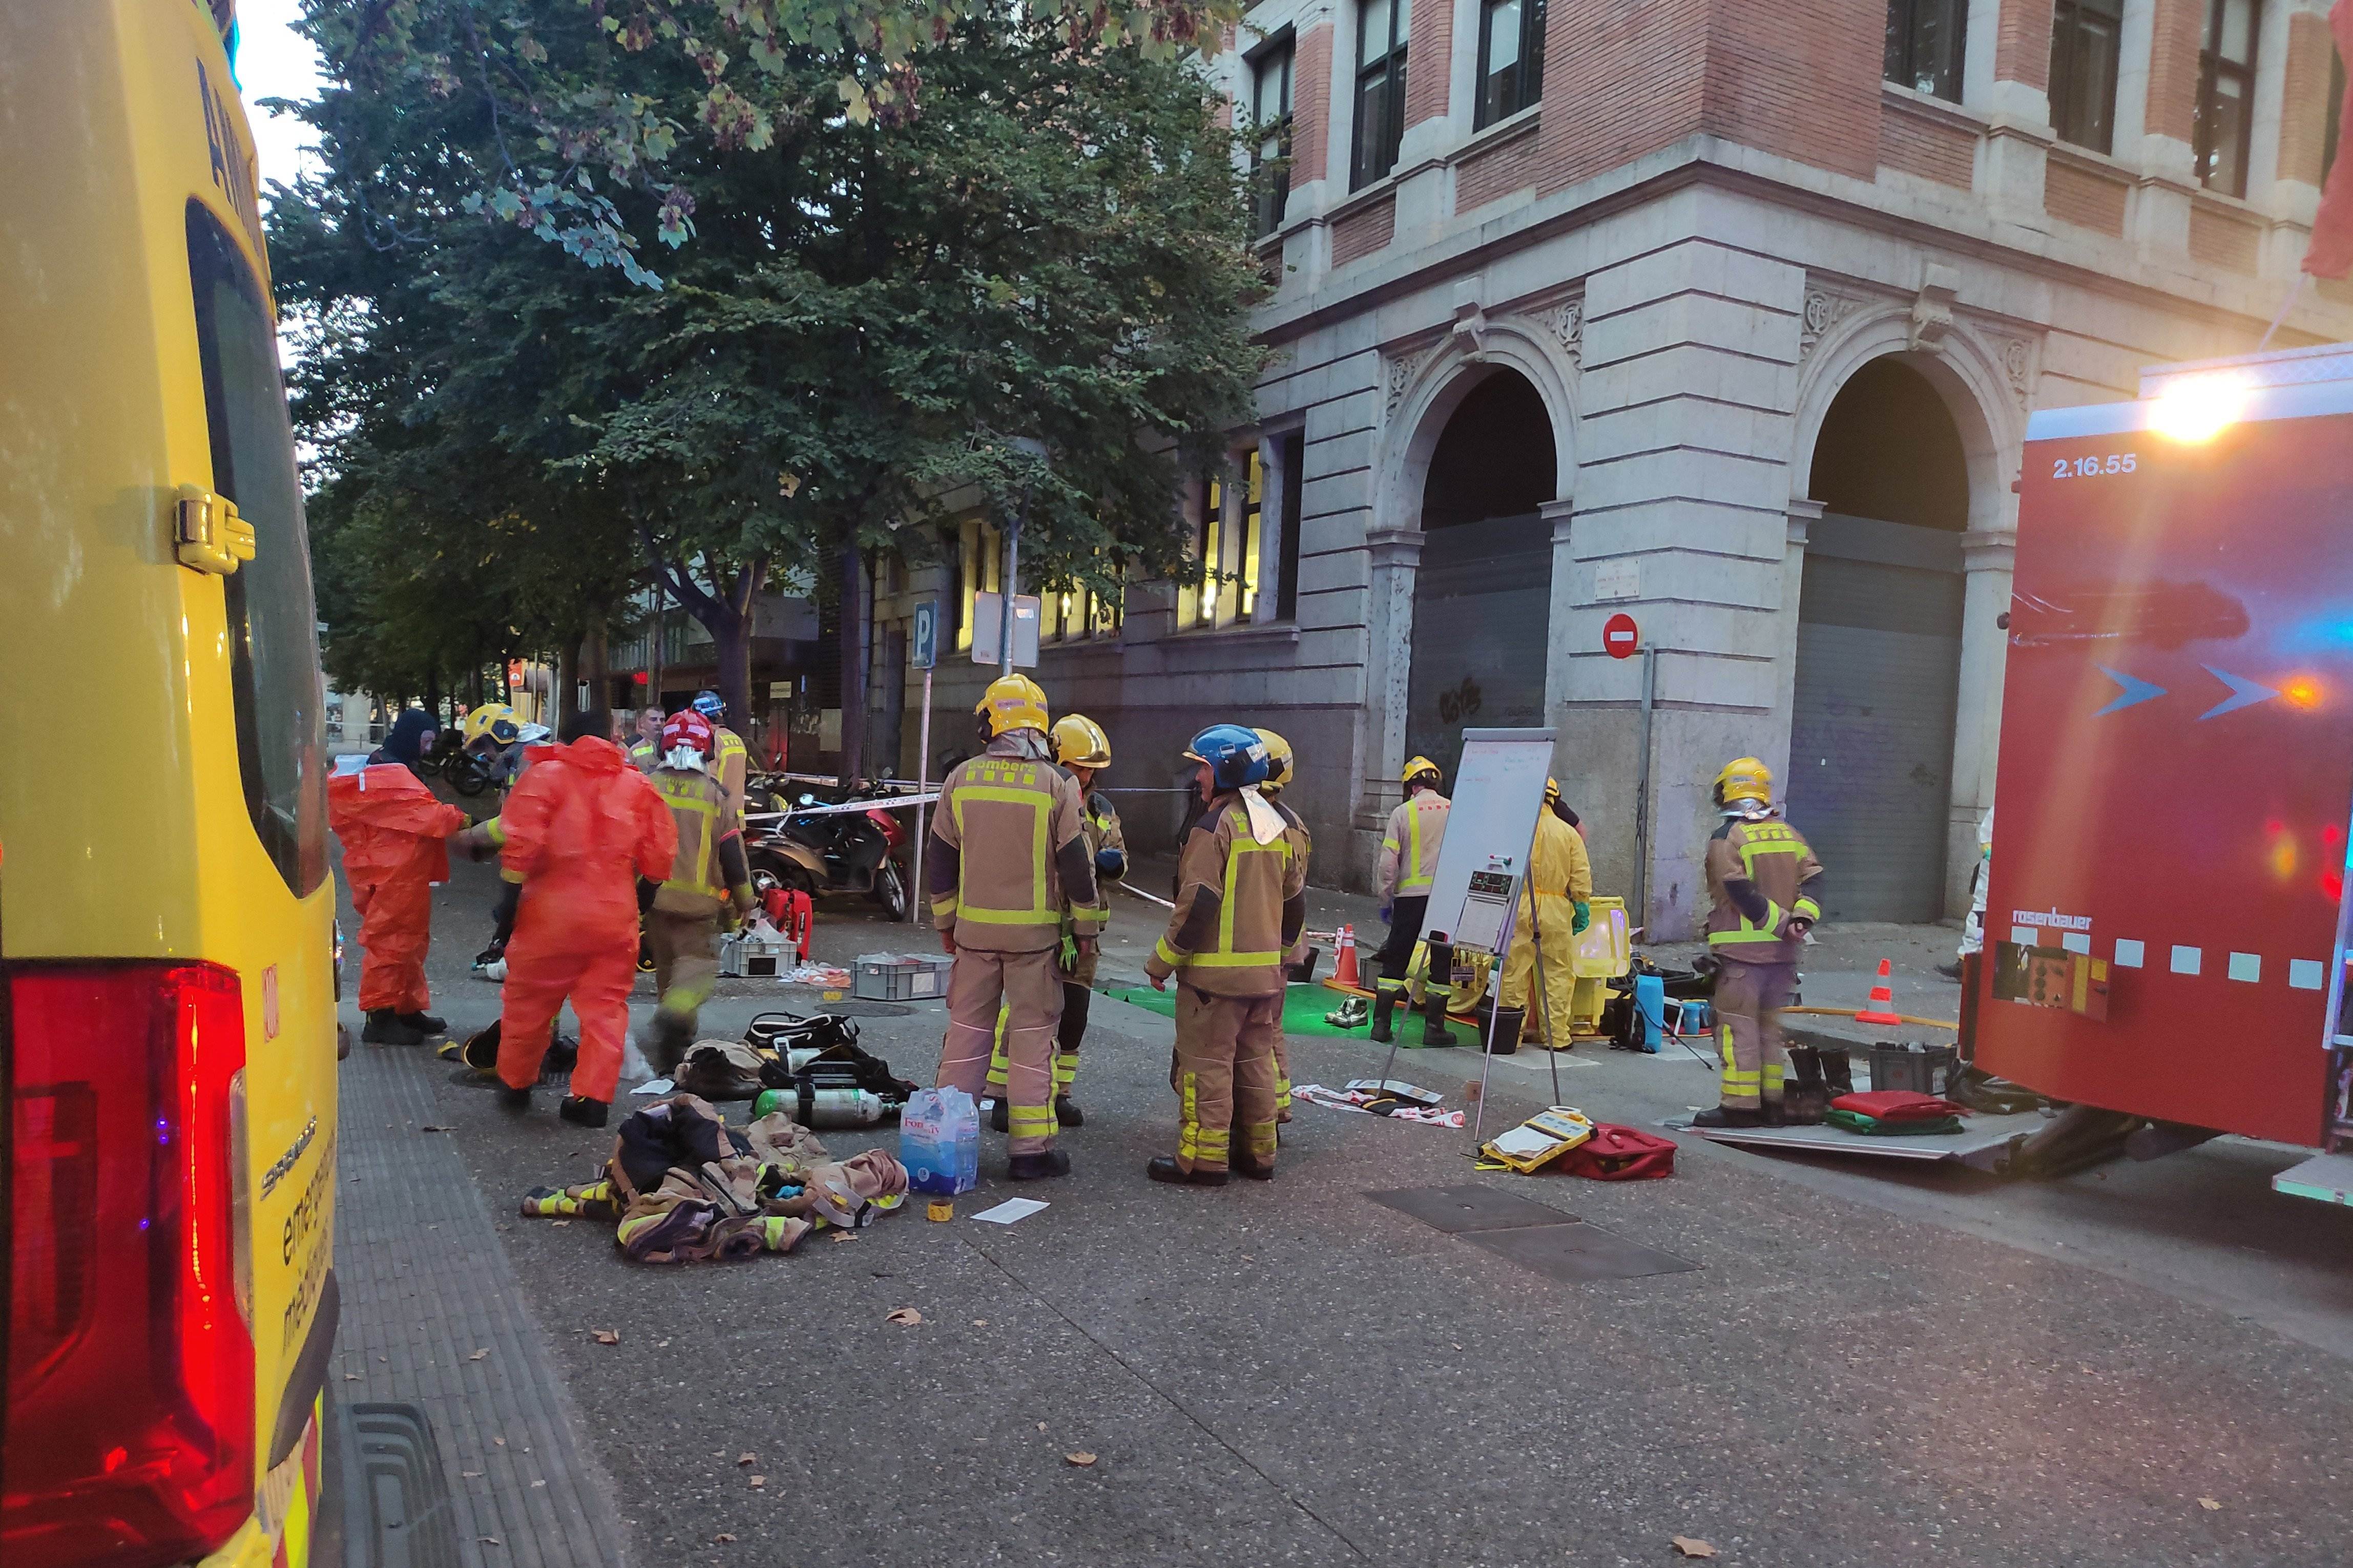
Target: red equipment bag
1615 1154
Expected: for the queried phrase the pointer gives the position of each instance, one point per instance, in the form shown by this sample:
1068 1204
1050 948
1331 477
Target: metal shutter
1481 608
1871 731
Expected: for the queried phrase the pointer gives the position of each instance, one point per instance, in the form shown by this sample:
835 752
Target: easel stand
1544 994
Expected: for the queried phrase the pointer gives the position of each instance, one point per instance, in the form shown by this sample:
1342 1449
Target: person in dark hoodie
394 833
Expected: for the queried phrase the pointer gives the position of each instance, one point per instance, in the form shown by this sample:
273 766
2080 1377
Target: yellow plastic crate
1605 949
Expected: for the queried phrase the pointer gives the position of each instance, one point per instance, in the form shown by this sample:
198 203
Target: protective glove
1584 917
1388 914
1068 959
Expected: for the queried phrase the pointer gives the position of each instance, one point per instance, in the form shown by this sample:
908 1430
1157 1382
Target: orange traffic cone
1343 963
1881 1009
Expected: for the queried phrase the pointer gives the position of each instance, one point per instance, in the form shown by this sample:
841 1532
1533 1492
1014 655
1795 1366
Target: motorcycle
834 852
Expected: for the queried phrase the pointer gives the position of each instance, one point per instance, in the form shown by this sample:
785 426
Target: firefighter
1767 887
1082 751
709 880
1280 765
645 740
1555 906
395 834
1009 862
588 840
729 758
1408 862
1242 904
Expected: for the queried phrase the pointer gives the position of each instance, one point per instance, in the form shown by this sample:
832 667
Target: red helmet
687 727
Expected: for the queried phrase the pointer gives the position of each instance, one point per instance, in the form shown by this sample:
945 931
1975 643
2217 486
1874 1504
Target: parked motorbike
463 771
834 852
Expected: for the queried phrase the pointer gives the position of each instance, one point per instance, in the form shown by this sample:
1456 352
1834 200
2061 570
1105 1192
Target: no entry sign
1620 637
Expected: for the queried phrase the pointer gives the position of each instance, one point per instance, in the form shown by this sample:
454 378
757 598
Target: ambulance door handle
207 534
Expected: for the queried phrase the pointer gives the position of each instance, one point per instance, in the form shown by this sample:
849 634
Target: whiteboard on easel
1498 790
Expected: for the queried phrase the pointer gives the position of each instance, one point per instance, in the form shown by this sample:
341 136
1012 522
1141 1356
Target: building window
1227 593
2226 94
1270 118
2085 36
1295 489
1510 58
980 564
1925 39
1382 28
1078 612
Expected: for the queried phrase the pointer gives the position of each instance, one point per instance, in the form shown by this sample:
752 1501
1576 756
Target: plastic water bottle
939 1142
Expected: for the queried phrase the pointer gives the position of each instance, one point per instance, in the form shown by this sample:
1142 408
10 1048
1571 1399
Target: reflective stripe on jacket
1410 848
1009 854
1770 862
1240 904
700 875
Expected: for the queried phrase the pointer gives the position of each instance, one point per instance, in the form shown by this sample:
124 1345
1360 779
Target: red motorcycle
835 851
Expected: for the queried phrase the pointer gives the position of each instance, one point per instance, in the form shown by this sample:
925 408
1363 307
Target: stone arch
1427 390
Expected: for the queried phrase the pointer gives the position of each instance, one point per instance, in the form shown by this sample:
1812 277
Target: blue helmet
709 705
1237 757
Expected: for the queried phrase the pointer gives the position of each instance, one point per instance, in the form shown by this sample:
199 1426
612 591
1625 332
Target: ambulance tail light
129 1422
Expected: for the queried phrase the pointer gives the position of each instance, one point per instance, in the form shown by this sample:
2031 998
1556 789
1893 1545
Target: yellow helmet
494 720
1278 762
1420 767
1552 791
1744 778
1079 743
1013 703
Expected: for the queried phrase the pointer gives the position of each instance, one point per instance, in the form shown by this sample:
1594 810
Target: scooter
834 852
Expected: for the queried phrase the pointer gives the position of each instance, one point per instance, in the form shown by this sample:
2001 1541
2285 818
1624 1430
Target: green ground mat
1303 1007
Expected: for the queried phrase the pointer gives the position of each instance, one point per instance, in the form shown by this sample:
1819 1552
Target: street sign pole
1622 638
927 654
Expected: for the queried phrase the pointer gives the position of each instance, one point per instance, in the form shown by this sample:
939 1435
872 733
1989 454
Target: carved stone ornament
2017 364
1565 322
1824 311
1401 368
1931 307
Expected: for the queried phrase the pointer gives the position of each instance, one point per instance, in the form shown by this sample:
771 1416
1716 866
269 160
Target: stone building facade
1714 324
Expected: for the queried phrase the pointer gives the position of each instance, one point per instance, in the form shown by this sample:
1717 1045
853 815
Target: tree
1041 237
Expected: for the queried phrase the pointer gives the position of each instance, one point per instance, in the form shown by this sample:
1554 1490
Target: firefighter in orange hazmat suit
583 831
394 833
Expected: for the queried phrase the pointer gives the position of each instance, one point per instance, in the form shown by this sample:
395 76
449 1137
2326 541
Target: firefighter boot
1728 1116
425 1024
1804 1100
582 1111
1000 1115
1838 1070
1435 996
1386 999
1038 1167
673 1035
384 1027
1067 1112
1163 1168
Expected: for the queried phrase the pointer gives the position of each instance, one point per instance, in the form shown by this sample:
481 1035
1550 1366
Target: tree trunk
731 643
566 697
596 671
852 588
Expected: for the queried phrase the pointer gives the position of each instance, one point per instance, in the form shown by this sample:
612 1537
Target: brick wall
2022 50
2173 68
1633 72
1494 171
2079 196
1919 144
1364 231
1310 104
2222 239
2304 128
1429 47
1799 78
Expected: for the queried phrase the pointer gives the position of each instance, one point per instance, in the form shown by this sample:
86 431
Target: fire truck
2167 915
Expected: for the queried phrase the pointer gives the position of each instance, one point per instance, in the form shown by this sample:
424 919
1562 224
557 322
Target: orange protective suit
580 829
396 847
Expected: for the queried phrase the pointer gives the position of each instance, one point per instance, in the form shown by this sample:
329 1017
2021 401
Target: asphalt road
1865 1365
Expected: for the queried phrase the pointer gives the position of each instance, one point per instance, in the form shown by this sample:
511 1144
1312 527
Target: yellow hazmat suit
1560 878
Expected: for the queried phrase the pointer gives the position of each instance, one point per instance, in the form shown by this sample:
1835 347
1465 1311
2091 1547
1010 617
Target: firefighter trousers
597 983
1748 1002
686 966
1225 1076
1029 987
396 931
1076 1001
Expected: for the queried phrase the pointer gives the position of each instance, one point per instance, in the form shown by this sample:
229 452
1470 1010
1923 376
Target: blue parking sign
926 640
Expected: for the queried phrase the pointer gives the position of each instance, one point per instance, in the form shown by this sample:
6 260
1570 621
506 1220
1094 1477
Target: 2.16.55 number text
2090 467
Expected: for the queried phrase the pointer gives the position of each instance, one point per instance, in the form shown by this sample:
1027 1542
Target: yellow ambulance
167 1029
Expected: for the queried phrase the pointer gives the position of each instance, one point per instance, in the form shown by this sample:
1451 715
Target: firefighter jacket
729 761
644 755
1761 875
1098 821
393 827
1410 848
710 865
579 830
1240 903
1009 855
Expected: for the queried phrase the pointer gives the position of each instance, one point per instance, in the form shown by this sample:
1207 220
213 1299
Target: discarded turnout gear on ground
813 1061
685 1187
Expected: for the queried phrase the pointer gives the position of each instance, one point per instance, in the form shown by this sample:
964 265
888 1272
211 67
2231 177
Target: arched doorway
1879 645
1483 594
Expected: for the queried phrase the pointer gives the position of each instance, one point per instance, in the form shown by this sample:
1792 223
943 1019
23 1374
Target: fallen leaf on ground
745 1459
722 1538
605 1336
1690 1546
2209 1504
472 1475
905 1316
490 1541
759 1480
351 1377
1042 1426
477 1356
980 1322
1082 1459
501 1442
845 1235
559 1222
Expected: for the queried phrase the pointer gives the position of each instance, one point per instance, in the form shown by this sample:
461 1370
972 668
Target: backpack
1615 1154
